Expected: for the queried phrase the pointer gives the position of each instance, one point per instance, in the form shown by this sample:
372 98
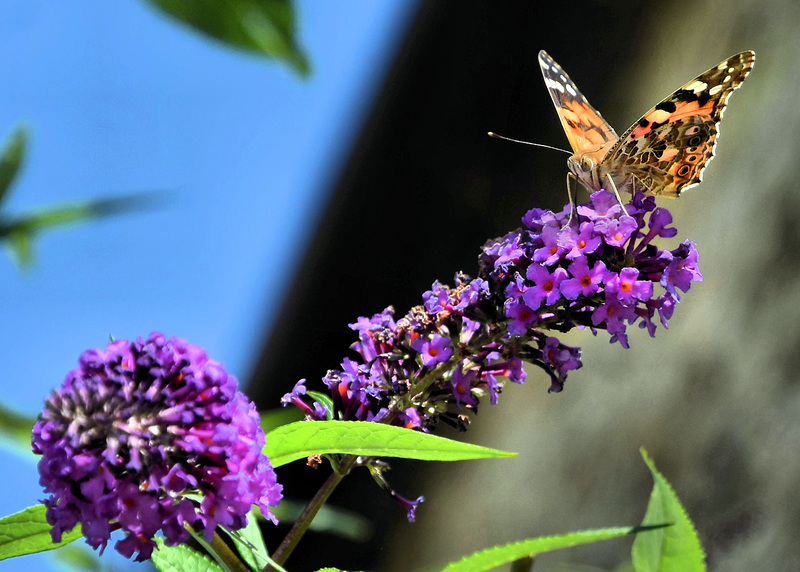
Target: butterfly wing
668 149
588 133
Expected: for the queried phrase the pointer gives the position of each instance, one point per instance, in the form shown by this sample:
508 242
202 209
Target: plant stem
312 508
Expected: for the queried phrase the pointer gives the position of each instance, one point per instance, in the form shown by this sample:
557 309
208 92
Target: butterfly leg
572 206
616 192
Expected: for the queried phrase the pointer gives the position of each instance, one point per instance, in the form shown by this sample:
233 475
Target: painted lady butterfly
666 151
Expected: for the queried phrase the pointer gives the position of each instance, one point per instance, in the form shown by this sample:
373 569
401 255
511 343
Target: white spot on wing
553 84
697 86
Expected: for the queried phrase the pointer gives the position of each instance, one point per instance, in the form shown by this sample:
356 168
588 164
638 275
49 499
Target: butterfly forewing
588 133
668 149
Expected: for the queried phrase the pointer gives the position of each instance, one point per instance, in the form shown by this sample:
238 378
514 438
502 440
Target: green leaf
20 230
79 558
264 27
28 532
330 520
676 548
274 418
11 160
324 400
507 553
304 438
15 427
20 245
250 543
181 558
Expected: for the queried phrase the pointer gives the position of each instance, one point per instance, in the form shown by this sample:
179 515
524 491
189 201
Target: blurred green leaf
329 520
266 27
19 231
79 558
675 548
304 438
28 532
181 558
11 160
15 427
499 555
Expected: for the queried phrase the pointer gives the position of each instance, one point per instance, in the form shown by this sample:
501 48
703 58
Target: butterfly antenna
496 136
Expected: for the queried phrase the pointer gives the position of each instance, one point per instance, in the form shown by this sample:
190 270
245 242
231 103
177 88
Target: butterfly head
581 165
585 168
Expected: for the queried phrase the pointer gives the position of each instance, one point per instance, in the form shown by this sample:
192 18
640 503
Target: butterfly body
663 153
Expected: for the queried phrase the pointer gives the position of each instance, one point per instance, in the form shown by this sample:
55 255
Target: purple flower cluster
147 436
598 269
411 369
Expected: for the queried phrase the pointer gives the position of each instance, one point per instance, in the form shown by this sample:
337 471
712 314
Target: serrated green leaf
11 159
264 27
181 558
324 400
16 428
274 418
28 532
507 553
675 548
304 438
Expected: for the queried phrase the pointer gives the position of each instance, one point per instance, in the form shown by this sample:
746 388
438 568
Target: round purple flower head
151 436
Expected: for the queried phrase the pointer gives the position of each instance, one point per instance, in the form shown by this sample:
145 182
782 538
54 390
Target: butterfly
666 151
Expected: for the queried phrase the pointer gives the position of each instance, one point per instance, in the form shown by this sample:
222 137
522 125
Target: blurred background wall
715 399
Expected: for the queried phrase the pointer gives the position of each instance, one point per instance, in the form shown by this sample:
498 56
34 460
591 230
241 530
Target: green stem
312 508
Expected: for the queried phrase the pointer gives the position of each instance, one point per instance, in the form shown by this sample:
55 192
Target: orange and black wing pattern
588 133
668 149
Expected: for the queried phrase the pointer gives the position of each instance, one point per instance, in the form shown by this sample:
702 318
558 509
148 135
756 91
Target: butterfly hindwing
668 159
586 130
672 143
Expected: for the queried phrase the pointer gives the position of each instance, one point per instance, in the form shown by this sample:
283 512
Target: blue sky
119 99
